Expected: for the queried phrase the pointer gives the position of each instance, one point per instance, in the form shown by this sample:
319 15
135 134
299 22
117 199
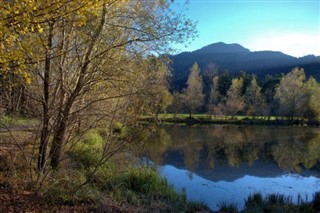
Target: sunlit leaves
298 97
193 95
235 101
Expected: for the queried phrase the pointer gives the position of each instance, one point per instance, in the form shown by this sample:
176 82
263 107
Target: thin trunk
59 134
45 104
57 143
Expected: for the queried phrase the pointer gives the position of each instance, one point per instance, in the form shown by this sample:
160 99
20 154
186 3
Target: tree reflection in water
201 148
227 163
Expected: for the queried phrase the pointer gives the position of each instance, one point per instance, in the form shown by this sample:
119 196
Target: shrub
88 152
62 186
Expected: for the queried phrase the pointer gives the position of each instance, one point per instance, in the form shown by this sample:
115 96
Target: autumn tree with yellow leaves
80 60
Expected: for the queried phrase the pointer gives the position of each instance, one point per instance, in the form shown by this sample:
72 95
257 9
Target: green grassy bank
224 119
117 185
82 184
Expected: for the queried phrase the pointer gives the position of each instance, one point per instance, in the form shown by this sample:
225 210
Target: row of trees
290 95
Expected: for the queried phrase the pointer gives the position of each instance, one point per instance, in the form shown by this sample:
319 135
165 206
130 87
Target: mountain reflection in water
217 163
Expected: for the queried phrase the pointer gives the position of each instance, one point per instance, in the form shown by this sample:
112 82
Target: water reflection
237 160
202 147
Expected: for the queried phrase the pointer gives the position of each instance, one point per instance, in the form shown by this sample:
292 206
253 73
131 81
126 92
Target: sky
289 26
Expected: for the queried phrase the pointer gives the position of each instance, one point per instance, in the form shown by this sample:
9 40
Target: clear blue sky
289 26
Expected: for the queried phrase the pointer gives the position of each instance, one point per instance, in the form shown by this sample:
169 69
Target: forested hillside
234 58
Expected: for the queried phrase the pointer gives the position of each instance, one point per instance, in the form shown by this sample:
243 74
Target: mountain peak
221 47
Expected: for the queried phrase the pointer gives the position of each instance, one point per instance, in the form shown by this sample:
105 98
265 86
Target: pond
218 164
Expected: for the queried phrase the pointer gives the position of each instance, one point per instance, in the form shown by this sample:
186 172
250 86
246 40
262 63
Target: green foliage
63 187
17 120
88 152
224 83
119 129
143 181
143 186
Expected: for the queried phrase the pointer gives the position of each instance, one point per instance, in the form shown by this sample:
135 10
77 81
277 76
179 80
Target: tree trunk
57 143
59 134
45 104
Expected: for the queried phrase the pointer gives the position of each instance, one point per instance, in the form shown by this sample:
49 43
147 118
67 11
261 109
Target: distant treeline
209 91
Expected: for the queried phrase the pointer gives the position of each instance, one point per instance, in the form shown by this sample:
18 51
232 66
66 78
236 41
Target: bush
142 181
143 186
87 153
64 188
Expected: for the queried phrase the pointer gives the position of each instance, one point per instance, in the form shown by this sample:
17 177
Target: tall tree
312 93
253 99
224 82
234 100
157 97
269 90
214 98
177 103
291 93
82 59
193 94
209 72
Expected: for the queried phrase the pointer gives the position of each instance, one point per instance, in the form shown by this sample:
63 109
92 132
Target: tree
193 95
234 100
246 81
214 98
312 108
157 96
291 93
82 61
210 71
253 99
224 83
177 103
269 90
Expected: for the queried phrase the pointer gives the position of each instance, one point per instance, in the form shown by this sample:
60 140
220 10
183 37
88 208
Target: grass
225 119
127 185
277 203
273 203
116 185
132 188
17 122
228 207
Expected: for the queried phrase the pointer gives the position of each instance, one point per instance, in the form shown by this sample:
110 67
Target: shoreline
236 120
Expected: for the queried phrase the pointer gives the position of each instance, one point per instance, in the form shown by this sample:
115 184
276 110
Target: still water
224 163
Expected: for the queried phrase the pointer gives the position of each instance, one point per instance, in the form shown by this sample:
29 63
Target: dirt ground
25 201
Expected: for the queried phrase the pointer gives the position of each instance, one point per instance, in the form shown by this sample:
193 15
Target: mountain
221 47
236 58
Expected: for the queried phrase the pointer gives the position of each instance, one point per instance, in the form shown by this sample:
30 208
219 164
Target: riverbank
117 186
224 119
81 183
128 192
